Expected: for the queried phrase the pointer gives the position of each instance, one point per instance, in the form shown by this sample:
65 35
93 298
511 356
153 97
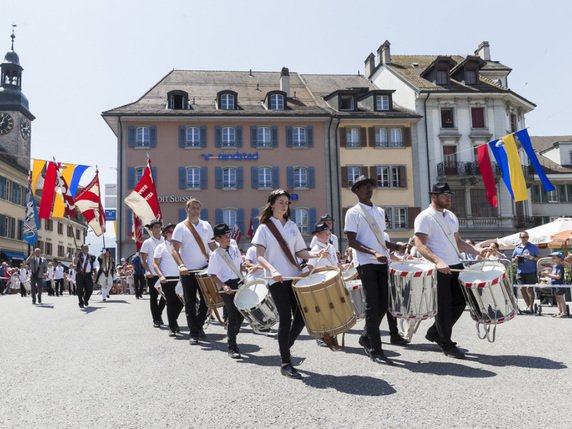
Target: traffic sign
110 214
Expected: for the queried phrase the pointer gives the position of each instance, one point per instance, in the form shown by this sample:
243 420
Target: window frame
350 144
380 103
193 143
273 103
223 143
445 125
261 133
193 169
227 176
227 215
261 181
227 101
142 137
344 98
304 227
482 109
350 169
296 141
298 174
392 174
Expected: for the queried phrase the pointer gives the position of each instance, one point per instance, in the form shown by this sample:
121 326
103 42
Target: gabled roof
544 143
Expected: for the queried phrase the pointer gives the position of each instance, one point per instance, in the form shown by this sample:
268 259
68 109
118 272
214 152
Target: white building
465 101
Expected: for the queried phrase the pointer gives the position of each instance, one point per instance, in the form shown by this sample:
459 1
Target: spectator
59 278
138 276
24 276
493 252
3 278
556 276
525 255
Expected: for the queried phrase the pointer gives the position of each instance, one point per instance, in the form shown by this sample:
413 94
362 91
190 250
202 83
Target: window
553 196
16 196
447 118
263 137
48 224
139 173
276 102
458 204
381 102
3 188
228 137
478 117
178 100
142 137
390 176
70 231
299 138
570 157
352 137
396 218
60 228
230 217
227 101
302 219
61 251
193 175
513 123
347 102
354 171
479 205
77 234
229 178
193 137
264 177
300 177
442 77
471 77
537 194
381 137
48 248
395 137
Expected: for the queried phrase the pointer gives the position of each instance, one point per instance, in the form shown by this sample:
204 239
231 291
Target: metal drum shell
413 293
355 289
263 314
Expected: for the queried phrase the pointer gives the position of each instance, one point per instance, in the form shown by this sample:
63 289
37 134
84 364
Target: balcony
462 169
480 222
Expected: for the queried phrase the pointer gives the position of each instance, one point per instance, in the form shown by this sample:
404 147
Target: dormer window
276 101
471 76
382 102
178 100
227 100
347 103
442 76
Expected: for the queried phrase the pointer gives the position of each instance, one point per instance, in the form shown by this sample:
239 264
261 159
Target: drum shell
355 289
210 292
412 294
262 315
350 274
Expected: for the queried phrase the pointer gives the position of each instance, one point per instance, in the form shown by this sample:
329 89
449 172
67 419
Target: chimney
369 65
285 81
383 53
484 51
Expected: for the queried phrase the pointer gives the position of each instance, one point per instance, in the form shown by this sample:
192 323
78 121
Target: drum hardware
255 303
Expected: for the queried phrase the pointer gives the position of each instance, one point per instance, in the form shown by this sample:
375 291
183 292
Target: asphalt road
107 367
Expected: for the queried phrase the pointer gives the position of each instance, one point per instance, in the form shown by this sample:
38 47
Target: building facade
58 238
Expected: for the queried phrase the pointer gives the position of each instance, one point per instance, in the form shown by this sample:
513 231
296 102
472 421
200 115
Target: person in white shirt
24 277
191 255
321 241
332 238
438 240
71 280
105 273
276 217
59 278
156 303
364 227
225 266
168 272
50 279
85 271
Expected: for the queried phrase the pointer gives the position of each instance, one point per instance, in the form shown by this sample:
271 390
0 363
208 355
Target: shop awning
14 255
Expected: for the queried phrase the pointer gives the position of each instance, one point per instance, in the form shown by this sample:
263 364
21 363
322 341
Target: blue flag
31 221
497 148
524 140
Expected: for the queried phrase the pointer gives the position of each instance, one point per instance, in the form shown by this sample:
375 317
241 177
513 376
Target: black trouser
84 282
59 286
235 317
23 291
174 304
36 285
3 286
195 320
71 288
288 328
139 283
156 307
450 305
374 279
50 284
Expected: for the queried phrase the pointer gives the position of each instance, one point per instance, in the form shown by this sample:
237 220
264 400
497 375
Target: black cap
326 217
362 180
153 222
169 225
441 188
221 229
319 227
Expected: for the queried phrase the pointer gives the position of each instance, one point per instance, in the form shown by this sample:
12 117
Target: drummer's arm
355 244
219 284
156 262
467 248
260 252
175 247
423 249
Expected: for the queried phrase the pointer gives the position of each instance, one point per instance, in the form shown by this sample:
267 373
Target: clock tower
15 116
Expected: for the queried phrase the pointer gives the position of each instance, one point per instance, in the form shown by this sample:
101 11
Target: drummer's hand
380 258
254 268
184 271
148 274
227 290
323 253
162 279
276 276
443 267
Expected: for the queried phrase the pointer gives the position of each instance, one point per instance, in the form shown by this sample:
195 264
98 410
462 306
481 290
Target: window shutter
182 136
412 213
204 214
343 137
239 177
240 220
344 173
275 177
218 137
131 136
312 218
311 178
274 136
204 178
218 216
203 133
182 215
218 178
131 177
182 178
310 136
373 172
129 222
289 136
290 177
363 136
254 177
255 220
362 170
406 133
238 133
253 136
402 176
154 173
153 136
371 137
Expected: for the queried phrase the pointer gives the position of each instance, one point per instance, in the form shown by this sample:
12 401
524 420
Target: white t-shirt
274 253
190 251
333 240
252 258
58 272
148 247
437 240
355 222
23 276
218 265
167 265
331 260
71 275
50 272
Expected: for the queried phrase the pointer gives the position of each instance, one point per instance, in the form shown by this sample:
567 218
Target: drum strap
282 243
372 225
197 238
439 218
224 254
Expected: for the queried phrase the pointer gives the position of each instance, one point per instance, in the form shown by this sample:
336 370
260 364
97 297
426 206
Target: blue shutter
311 178
289 136
154 172
131 136
238 134
182 178
239 177
182 136
129 222
310 136
218 137
182 214
204 178
131 177
218 178
253 136
240 220
255 220
290 177
204 214
218 216
153 136
203 136
275 177
312 218
254 177
274 136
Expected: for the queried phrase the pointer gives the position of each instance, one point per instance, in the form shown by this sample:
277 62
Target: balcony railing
462 168
480 222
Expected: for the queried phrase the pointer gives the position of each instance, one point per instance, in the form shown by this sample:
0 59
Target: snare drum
350 274
325 302
256 304
413 290
357 296
209 290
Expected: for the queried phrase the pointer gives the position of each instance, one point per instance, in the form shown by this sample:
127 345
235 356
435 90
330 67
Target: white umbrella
538 235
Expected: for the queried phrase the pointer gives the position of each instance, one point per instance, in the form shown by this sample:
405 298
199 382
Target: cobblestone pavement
107 367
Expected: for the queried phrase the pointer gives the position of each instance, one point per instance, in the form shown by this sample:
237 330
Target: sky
81 58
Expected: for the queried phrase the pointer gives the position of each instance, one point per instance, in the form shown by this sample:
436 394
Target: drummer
321 241
225 265
328 220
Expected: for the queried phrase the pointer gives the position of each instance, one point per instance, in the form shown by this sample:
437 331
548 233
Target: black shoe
178 329
202 334
234 353
398 340
86 303
194 341
379 357
80 305
172 334
434 338
156 324
364 342
33 302
290 372
454 352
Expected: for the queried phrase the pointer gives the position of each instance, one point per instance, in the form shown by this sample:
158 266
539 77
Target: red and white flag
88 201
235 233
62 188
251 230
143 200
136 233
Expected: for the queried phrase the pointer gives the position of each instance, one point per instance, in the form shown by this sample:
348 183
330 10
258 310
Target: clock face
25 128
6 123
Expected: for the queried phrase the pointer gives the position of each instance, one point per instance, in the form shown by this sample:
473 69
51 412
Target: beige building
58 238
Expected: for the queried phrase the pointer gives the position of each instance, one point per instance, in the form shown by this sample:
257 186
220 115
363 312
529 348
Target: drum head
250 295
412 267
349 273
317 277
489 273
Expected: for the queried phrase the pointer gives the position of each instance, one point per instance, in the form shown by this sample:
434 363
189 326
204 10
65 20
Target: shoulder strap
197 238
445 228
228 261
372 225
282 243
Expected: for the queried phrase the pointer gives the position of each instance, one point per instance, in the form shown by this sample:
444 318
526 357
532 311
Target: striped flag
48 191
31 220
62 190
88 201
143 199
235 233
136 233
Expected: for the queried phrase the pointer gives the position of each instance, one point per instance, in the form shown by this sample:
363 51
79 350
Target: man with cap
84 264
321 241
364 227
333 239
105 273
147 251
225 266
438 240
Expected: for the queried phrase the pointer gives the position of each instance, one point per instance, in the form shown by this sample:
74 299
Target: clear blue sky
81 58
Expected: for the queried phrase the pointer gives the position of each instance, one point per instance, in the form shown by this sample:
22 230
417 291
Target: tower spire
13 36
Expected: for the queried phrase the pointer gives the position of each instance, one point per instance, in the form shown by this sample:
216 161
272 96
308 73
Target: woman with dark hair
278 244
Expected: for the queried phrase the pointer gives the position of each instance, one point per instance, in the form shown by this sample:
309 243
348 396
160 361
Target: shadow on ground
351 384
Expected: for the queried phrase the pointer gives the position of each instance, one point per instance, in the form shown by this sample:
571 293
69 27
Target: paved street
107 367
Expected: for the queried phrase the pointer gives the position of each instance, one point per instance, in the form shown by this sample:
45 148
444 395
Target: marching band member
191 239
438 240
332 238
50 279
225 266
147 251
71 280
279 242
84 264
321 241
105 273
59 278
364 227
168 272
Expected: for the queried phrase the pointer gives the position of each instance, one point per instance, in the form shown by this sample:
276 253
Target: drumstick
458 270
222 291
284 278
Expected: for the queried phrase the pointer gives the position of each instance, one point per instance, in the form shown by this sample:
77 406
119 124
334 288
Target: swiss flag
250 232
